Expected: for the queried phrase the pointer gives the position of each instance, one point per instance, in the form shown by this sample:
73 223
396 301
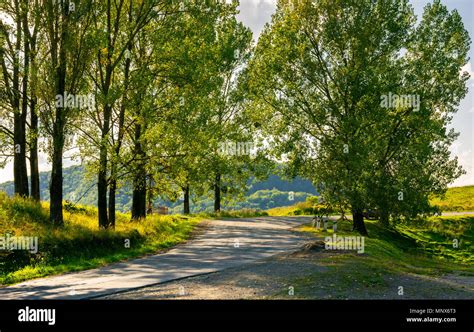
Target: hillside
456 199
79 187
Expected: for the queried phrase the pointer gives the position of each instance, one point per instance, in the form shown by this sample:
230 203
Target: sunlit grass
456 199
282 211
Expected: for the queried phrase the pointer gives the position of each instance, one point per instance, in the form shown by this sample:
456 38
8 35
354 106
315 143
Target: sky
255 13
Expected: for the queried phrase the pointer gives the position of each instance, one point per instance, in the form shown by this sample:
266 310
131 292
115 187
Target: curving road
225 243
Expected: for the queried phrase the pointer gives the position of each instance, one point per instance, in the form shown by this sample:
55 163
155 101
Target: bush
304 208
73 208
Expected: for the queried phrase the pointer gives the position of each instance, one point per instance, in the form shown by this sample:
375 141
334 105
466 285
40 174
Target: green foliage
267 199
311 206
322 210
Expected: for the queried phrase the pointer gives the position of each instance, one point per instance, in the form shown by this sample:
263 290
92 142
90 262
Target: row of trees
354 95
143 92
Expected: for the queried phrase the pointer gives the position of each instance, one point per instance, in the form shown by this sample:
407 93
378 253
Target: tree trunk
150 197
139 181
25 92
102 184
139 198
56 184
217 193
19 159
34 169
58 139
186 200
33 138
19 118
358 222
102 189
112 191
118 145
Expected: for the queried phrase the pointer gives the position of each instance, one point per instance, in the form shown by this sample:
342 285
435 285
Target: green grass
438 236
421 247
456 199
80 245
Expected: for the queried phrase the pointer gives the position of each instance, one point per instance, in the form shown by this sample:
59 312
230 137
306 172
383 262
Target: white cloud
466 160
468 68
255 13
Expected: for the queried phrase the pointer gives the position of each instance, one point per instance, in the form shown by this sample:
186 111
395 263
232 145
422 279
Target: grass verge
79 244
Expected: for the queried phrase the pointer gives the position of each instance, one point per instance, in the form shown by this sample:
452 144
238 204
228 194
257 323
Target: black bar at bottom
448 315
